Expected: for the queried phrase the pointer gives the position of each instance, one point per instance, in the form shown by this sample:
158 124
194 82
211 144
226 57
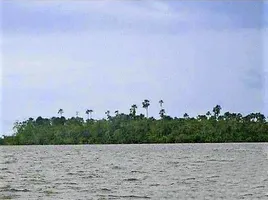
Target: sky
108 55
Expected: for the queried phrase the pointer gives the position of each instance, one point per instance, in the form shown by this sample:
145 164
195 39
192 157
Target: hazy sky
108 55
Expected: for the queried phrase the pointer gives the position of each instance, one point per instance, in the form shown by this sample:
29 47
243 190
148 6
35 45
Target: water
172 171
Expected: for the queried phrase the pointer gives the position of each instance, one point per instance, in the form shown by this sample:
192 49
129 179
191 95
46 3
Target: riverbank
127 129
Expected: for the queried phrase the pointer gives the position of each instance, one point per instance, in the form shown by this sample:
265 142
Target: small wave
131 179
215 160
211 181
187 181
5 188
129 196
246 195
10 161
259 186
5 197
49 192
136 171
18 190
91 176
106 189
190 178
71 173
117 167
155 184
146 177
214 176
173 162
199 161
70 183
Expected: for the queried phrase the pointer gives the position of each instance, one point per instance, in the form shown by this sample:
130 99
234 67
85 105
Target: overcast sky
108 55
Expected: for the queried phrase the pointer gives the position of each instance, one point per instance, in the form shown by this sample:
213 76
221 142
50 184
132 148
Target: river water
159 171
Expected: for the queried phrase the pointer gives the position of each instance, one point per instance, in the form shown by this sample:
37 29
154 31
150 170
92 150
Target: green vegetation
132 128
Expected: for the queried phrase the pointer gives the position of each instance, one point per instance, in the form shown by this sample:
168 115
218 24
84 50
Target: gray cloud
153 17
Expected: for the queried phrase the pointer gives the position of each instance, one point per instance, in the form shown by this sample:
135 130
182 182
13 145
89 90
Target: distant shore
121 128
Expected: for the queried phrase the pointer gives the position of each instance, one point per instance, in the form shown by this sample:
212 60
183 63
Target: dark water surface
171 171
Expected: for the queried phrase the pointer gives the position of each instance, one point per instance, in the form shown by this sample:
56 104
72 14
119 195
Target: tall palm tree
162 113
161 103
186 116
91 111
146 104
87 112
116 112
217 110
133 110
60 112
107 113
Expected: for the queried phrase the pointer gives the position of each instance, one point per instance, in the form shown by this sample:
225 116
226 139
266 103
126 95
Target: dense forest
132 128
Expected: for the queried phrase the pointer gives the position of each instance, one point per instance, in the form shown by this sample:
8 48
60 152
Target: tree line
130 128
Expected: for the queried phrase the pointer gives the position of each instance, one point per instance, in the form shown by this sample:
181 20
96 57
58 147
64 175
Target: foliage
132 128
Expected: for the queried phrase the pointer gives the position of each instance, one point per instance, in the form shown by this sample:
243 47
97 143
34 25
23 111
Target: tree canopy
133 128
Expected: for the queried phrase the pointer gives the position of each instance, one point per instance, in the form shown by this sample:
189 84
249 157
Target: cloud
144 17
82 15
130 10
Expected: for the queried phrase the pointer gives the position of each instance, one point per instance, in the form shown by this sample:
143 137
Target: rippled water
172 171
